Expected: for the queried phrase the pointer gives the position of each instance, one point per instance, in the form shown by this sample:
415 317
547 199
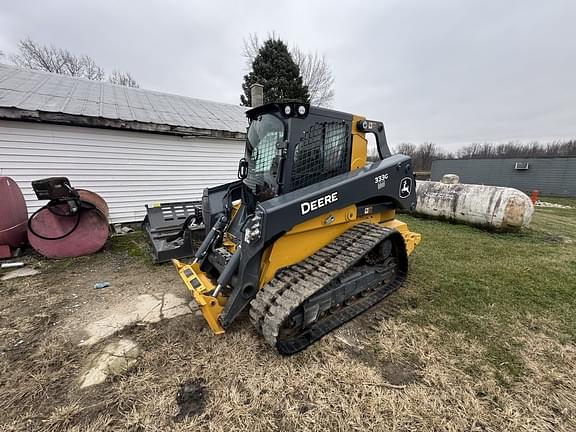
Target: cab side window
323 152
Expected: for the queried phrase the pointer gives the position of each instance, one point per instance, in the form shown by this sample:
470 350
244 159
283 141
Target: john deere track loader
307 239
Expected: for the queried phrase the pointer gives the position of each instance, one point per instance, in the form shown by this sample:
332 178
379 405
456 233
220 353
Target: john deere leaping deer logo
405 187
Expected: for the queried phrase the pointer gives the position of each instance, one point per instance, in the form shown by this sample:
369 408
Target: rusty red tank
58 232
13 217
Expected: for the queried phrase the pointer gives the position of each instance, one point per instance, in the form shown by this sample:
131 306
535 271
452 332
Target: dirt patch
398 372
190 398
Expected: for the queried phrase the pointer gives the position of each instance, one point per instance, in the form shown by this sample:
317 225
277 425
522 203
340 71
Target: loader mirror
242 169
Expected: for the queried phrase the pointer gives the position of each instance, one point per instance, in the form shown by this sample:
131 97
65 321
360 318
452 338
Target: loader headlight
253 230
287 110
301 110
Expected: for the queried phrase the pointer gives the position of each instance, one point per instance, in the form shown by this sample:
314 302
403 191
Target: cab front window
263 134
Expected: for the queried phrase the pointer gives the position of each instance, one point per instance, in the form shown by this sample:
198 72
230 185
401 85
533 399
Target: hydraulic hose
51 208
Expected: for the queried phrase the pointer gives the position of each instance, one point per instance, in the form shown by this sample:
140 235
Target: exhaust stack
256 95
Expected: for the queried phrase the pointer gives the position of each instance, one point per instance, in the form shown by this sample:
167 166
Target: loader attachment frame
164 223
199 286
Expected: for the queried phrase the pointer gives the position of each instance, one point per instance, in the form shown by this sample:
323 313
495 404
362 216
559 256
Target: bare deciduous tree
408 149
317 76
517 149
314 68
33 55
251 46
89 69
123 78
422 155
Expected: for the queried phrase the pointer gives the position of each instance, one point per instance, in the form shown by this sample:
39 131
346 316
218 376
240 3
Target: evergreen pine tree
275 69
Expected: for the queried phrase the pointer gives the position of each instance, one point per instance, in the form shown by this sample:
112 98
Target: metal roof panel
42 91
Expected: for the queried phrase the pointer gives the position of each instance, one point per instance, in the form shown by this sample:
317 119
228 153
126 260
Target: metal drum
13 217
68 234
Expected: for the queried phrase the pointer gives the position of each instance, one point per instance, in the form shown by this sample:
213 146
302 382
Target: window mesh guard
322 153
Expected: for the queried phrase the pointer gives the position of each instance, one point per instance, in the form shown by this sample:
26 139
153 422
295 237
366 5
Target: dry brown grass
439 363
334 387
331 386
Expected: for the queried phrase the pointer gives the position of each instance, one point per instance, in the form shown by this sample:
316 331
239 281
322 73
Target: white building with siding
131 146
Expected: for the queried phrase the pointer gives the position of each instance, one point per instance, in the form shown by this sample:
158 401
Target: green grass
488 285
133 244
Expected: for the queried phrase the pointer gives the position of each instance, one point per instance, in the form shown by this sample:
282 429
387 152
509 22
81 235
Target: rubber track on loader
290 288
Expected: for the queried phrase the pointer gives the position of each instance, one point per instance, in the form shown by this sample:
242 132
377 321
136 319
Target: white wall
128 169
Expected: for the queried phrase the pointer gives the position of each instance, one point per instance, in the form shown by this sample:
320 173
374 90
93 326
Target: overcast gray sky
447 71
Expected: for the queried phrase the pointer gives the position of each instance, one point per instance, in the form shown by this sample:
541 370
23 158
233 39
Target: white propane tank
489 206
